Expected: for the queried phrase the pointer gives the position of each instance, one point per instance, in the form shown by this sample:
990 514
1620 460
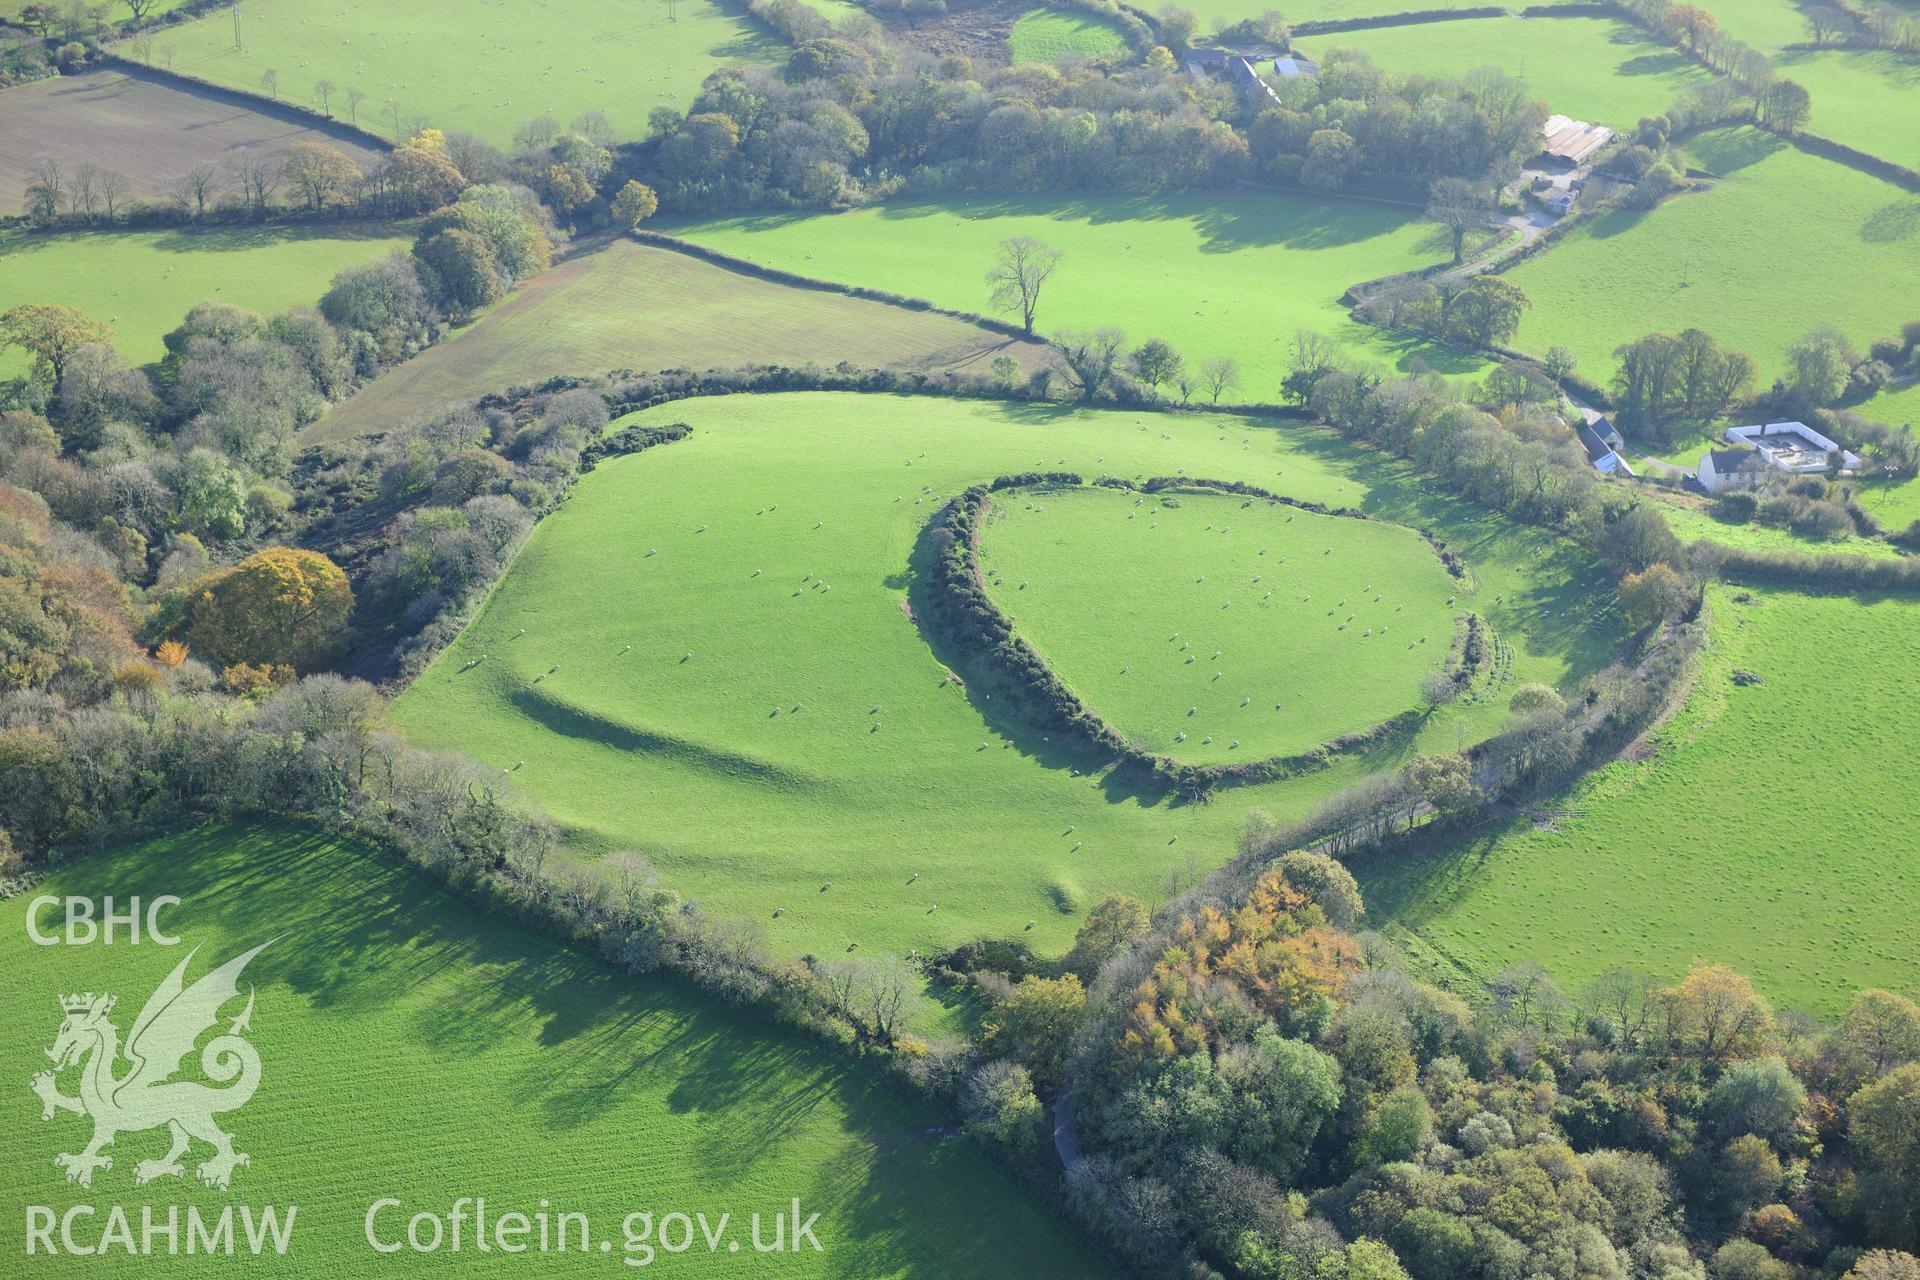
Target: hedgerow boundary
983 638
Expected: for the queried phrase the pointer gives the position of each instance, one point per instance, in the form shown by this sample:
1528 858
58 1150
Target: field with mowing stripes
417 1048
482 67
631 306
782 742
1771 829
1220 629
1231 276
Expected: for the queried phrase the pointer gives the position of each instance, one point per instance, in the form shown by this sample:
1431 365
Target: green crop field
141 283
1041 35
1864 98
1215 628
634 306
1232 276
484 68
1771 829
416 1048
1843 250
781 738
1598 69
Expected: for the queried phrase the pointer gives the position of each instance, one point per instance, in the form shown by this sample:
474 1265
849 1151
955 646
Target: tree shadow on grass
993 700
582 1043
231 239
1893 222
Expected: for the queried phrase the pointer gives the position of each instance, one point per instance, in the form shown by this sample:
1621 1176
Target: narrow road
1066 1138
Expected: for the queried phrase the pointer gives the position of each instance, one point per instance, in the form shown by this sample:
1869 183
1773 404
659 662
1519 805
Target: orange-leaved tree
280 605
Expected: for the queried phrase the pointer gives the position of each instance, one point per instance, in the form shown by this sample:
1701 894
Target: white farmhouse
1772 448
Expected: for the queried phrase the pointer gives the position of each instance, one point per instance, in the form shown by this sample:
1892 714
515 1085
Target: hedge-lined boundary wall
976 627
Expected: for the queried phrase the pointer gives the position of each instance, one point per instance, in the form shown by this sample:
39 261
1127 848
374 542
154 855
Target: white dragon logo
144 1098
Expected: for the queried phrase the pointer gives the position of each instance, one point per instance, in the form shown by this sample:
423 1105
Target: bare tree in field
1218 376
86 190
270 81
355 96
47 190
194 190
325 89
257 173
113 192
1022 267
142 43
1459 209
139 9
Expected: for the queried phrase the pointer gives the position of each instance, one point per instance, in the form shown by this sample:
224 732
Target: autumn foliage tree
1653 595
50 335
635 204
280 605
1274 954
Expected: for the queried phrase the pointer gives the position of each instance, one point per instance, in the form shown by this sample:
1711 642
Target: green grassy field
1843 249
762 570
484 68
1764 24
1771 829
413 1047
141 283
1041 35
1690 521
1864 98
633 306
1595 69
1212 275
1214 628
1215 14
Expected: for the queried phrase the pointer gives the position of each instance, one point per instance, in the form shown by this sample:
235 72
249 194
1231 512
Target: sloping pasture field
632 306
147 130
1863 97
141 284
1214 275
417 1048
1215 14
483 66
709 655
1770 829
1842 249
1598 69
1041 35
1215 628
